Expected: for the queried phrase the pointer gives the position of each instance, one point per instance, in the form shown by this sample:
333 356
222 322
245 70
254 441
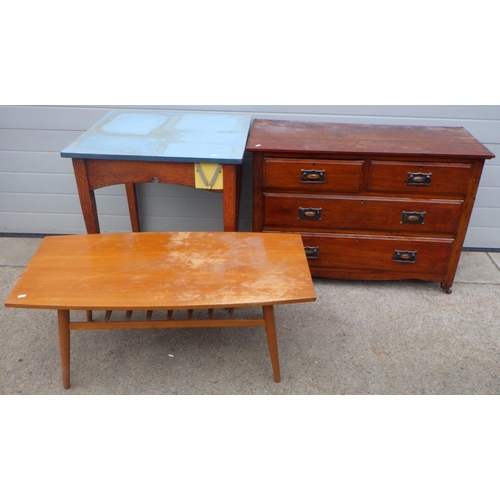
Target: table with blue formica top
201 150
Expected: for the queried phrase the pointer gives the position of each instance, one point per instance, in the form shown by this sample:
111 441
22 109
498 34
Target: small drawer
326 213
398 257
419 177
312 176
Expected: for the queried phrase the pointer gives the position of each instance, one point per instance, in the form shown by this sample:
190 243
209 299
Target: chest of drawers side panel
258 193
463 223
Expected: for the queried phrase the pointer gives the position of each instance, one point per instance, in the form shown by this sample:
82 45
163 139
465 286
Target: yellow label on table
208 176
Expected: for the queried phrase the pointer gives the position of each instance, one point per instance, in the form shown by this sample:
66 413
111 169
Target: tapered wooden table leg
64 344
231 196
133 209
87 197
272 340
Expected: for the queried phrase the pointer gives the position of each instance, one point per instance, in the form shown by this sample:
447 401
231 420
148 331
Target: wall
38 192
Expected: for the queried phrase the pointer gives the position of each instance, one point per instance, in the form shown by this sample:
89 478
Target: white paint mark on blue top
164 136
135 124
202 123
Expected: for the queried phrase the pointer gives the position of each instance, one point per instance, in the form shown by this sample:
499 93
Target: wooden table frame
65 326
92 174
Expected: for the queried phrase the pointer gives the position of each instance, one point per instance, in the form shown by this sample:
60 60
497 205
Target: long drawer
327 213
419 177
314 176
396 257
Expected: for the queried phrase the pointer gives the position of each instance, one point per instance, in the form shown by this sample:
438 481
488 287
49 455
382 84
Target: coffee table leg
272 340
64 344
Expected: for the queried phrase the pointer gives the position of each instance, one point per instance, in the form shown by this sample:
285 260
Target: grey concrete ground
357 338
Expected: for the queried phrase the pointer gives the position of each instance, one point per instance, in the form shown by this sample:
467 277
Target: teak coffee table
145 272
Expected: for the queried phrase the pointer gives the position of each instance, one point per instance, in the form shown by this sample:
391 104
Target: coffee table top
164 136
176 270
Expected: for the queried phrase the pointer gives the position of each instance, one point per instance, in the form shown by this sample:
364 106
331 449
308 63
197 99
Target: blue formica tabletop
164 136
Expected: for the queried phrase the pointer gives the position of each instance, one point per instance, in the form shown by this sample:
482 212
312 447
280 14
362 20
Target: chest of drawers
371 202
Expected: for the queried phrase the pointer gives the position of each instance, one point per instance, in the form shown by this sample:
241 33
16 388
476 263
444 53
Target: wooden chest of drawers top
283 136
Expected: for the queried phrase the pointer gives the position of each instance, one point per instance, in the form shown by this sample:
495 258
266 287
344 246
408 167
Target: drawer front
419 177
312 176
326 213
401 257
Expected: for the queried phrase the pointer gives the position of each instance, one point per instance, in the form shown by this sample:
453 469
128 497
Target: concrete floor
357 338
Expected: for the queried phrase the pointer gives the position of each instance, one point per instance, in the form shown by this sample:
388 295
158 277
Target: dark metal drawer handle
405 256
312 252
310 213
419 179
312 176
413 217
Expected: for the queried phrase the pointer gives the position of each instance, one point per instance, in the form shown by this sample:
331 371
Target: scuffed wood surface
142 271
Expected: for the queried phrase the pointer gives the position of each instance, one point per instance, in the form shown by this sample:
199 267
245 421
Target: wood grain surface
142 271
